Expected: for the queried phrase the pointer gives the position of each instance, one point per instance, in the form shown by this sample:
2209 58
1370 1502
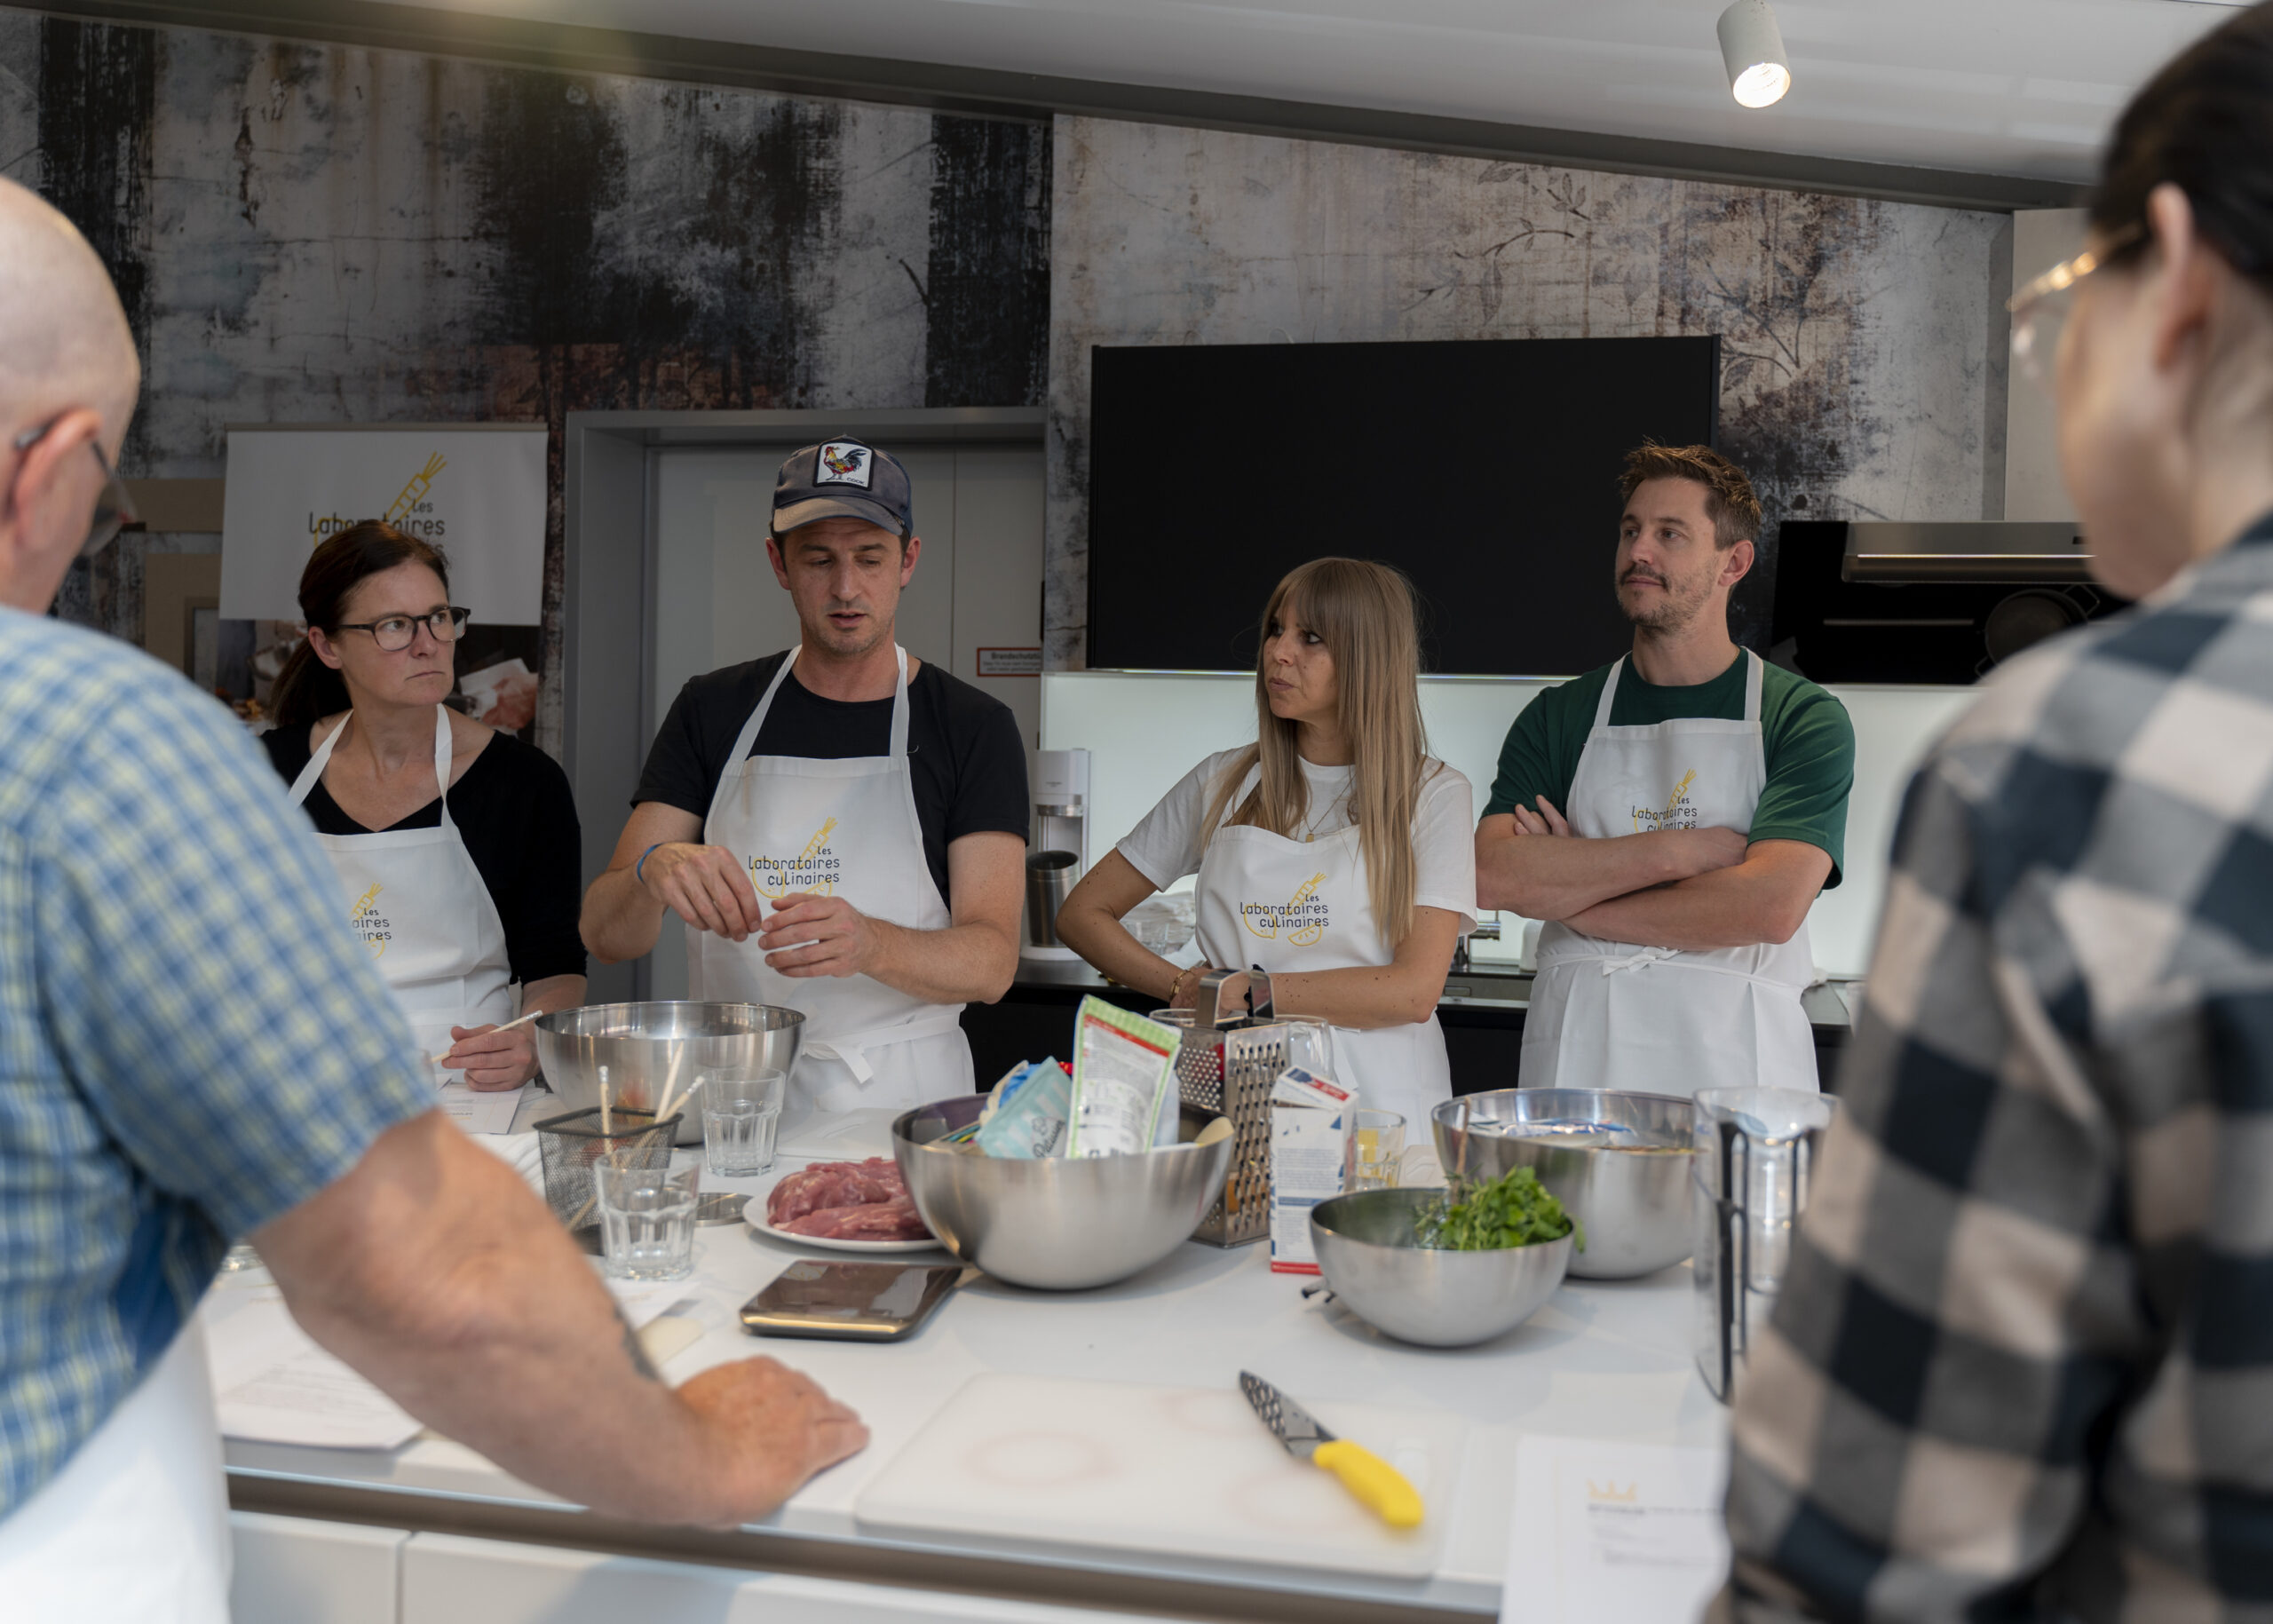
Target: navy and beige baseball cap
844 479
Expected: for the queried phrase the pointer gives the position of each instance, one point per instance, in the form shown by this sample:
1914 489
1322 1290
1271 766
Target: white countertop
1603 1360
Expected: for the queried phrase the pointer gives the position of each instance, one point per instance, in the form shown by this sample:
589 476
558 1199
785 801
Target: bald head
63 341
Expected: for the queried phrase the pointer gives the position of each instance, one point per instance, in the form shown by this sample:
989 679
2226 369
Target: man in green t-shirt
1673 816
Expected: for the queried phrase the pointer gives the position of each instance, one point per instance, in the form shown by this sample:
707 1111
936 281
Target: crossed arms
1686 889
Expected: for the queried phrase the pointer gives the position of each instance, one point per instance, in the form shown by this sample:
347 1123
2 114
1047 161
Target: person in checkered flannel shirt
2022 1363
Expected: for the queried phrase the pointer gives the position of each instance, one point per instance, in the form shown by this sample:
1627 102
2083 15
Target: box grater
1227 1064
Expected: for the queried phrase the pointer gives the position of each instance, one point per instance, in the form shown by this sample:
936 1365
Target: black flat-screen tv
1486 469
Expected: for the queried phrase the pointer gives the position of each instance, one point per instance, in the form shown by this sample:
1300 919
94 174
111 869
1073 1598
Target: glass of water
741 1117
1380 1146
647 1220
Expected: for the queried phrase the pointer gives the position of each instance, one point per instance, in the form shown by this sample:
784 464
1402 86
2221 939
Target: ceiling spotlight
1753 47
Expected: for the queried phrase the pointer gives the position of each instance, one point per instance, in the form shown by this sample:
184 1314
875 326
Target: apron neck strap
898 747
1609 693
312 774
1756 673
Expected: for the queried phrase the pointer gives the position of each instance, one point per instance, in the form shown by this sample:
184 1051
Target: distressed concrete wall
1863 343
308 232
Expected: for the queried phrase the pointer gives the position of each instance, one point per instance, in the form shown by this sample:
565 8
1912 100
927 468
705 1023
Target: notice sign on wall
477 493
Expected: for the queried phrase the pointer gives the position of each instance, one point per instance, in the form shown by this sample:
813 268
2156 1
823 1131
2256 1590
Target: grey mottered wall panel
1863 342
306 232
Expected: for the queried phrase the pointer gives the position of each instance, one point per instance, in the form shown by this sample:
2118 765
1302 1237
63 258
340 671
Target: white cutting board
1179 1471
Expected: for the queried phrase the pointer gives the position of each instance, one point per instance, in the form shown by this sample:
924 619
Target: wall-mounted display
1486 469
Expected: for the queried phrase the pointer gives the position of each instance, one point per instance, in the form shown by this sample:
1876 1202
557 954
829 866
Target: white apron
135 1528
420 907
844 829
1613 1014
1292 905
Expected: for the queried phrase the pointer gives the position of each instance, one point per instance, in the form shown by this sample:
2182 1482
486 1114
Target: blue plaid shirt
191 1042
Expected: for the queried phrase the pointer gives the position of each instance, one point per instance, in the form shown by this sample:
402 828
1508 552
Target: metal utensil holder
1227 1063
1733 1231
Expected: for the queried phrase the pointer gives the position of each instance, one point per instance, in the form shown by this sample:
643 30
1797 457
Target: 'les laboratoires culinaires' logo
370 926
411 511
1300 920
815 869
1679 812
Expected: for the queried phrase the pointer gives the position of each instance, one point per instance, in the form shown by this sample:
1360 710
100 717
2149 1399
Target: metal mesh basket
1228 1065
573 1145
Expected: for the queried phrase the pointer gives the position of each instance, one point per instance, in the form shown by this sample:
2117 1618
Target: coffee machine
1058 853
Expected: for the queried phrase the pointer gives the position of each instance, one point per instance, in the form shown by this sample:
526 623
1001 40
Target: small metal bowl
1057 1224
1632 1204
640 1042
1369 1252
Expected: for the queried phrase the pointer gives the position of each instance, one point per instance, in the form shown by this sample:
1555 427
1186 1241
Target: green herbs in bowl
1513 1210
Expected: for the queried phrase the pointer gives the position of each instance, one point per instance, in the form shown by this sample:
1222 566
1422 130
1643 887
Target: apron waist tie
852 1047
1613 963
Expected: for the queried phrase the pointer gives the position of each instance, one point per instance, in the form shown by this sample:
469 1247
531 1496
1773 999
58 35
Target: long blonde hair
1364 613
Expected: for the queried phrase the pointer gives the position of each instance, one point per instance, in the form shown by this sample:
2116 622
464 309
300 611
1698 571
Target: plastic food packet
1030 1124
1124 1076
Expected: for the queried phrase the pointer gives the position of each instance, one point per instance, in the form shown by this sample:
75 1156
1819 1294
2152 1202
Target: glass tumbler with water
1755 1167
742 1118
1378 1152
647 1220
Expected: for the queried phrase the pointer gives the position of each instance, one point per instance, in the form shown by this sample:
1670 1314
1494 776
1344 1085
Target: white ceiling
2013 87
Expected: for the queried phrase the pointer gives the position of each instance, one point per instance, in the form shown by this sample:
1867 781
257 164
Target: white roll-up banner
476 492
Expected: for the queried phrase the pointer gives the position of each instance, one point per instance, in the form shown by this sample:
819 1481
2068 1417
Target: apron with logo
418 904
1294 905
844 829
135 1528
1613 1014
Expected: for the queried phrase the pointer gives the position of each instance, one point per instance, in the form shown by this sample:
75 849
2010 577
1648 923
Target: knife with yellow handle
1377 1485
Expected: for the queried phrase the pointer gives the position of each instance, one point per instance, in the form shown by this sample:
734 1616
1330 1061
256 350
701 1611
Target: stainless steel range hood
1979 550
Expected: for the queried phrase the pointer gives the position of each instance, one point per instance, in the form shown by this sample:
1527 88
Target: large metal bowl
1367 1251
1057 1224
640 1044
1633 1205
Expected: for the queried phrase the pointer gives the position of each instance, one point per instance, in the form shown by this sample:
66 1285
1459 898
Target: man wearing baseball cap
841 826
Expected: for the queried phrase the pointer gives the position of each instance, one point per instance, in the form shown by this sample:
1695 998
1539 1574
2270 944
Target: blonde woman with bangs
1334 852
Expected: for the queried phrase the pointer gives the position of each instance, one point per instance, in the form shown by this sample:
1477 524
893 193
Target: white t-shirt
1169 842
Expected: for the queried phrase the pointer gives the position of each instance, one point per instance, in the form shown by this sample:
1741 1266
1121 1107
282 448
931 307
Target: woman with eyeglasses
456 846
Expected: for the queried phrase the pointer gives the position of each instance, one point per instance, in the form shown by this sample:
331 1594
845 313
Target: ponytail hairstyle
307 690
1366 614
2205 124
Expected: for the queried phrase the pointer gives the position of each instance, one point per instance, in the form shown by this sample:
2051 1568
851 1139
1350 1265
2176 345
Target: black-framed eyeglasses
397 632
113 508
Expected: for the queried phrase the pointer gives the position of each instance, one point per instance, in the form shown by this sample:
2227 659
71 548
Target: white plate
754 1215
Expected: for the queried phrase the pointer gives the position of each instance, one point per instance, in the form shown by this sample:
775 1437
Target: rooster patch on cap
842 463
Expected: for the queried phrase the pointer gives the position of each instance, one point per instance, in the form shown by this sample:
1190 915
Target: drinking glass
1380 1146
647 1220
742 1115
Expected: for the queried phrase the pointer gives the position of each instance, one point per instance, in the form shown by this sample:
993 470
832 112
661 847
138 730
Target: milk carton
1312 1123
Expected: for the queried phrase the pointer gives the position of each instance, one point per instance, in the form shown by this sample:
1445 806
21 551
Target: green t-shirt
1809 744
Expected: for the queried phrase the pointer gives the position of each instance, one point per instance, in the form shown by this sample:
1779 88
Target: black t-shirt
963 750
514 811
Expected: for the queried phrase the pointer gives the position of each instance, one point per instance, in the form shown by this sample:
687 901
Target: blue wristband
639 874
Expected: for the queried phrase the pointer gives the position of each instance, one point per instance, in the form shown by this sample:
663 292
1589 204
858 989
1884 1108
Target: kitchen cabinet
295 1570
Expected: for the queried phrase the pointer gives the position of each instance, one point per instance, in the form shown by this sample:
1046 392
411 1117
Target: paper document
273 1385
1614 1533
481 1112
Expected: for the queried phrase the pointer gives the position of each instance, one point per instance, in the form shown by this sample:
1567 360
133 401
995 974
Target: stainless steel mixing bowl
1367 1251
1057 1224
1632 1204
640 1042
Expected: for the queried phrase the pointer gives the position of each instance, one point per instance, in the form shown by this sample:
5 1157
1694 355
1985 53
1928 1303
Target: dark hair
1729 500
307 689
2205 124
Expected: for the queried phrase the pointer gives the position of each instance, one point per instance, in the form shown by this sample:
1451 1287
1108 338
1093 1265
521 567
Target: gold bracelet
1176 987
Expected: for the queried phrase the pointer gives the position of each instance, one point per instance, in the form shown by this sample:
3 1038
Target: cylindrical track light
1753 47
